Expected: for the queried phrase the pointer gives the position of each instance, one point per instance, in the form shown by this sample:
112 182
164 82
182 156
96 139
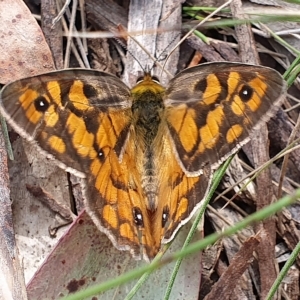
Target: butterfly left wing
211 110
82 118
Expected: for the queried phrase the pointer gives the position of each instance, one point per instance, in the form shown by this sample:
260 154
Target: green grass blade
283 272
215 183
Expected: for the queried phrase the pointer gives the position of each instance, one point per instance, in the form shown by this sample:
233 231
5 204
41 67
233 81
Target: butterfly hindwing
212 109
182 194
114 200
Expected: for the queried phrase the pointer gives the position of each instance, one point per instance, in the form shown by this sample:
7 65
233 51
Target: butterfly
146 154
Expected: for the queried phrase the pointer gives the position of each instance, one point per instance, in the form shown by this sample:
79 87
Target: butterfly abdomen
149 179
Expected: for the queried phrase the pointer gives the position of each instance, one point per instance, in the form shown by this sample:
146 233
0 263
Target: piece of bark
240 292
52 32
288 226
291 284
226 51
106 16
157 15
11 273
221 218
280 129
210 258
230 278
208 52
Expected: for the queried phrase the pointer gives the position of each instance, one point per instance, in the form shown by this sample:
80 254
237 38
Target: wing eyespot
138 217
246 93
165 216
41 104
101 155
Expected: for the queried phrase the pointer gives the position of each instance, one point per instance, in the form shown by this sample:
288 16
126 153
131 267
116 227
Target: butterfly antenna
196 26
166 56
125 48
147 69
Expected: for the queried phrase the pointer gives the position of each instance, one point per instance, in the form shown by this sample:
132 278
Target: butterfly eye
246 93
155 78
165 216
140 79
41 104
138 217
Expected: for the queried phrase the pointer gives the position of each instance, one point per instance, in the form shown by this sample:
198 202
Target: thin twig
286 157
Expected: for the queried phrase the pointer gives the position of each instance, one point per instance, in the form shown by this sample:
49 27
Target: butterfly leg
64 216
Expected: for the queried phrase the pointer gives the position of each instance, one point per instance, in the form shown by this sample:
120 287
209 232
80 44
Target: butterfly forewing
67 113
212 109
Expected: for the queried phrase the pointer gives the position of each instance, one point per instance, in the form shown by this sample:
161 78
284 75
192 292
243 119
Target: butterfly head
147 83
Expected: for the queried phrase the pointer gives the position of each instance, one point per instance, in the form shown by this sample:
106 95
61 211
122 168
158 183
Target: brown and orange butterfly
147 153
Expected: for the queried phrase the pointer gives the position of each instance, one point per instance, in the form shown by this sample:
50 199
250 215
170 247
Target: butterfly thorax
147 110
